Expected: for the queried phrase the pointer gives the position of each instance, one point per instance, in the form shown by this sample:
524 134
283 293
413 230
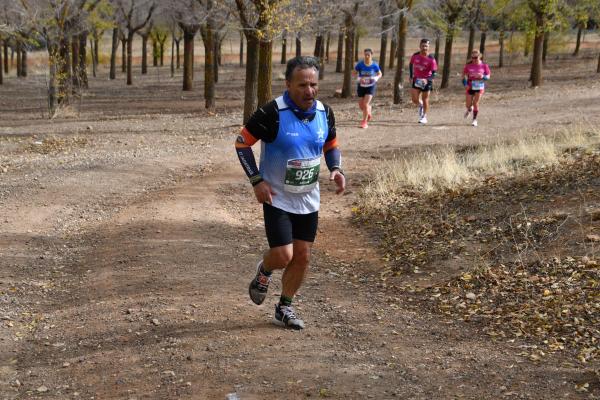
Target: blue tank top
291 163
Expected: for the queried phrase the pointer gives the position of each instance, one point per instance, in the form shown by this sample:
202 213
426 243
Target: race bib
477 85
421 83
366 81
302 175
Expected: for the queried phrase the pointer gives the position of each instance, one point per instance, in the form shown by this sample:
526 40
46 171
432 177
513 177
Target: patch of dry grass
451 168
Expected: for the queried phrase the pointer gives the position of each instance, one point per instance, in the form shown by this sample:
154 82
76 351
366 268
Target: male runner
475 73
422 70
294 130
368 72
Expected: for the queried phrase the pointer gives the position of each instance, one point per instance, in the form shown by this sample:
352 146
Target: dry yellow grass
446 168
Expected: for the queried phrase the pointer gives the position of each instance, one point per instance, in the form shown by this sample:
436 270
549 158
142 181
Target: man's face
475 55
424 47
368 56
303 87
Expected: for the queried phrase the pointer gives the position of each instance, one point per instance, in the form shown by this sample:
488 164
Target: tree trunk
340 51
172 56
209 64
356 44
318 41
23 63
322 60
52 59
436 53
6 70
471 42
154 53
501 43
298 45
545 47
19 59
385 25
538 43
598 68
97 49
216 57
327 47
124 55
447 59
527 45
264 72
130 59
113 54
1 67
177 56
393 46
161 48
284 47
144 54
63 70
82 61
188 60
241 49
578 42
399 75
93 54
250 87
75 62
348 58
482 43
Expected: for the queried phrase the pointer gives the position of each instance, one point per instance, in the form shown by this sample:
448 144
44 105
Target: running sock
264 271
475 112
285 301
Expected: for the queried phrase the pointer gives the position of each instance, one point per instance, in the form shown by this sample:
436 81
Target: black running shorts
283 227
362 91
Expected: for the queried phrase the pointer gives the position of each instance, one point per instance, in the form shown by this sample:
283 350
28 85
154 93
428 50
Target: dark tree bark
385 26
545 47
208 38
241 49
130 59
356 44
482 42
447 60
250 87
348 55
318 43
113 54
1 67
284 47
538 43
177 54
124 55
188 58
399 75
393 53
471 44
172 56
265 72
340 52
19 59
23 63
82 60
578 42
298 45
598 68
154 52
322 60
501 43
6 69
327 47
145 52
436 53
75 62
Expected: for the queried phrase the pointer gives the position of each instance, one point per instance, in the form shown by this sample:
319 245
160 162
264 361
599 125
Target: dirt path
126 276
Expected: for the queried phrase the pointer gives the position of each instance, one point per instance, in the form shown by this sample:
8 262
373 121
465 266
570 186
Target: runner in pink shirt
475 73
422 70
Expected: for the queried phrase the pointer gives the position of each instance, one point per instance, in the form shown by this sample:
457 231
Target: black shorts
361 91
283 227
472 92
427 88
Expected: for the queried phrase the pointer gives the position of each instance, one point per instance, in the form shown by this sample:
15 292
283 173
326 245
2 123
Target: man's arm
333 156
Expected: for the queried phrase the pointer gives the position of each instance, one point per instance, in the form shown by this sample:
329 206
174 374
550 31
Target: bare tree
133 16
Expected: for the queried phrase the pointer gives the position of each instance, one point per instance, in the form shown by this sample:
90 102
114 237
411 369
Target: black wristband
338 169
256 179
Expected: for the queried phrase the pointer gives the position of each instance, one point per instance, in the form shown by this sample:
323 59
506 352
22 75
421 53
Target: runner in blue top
295 130
367 73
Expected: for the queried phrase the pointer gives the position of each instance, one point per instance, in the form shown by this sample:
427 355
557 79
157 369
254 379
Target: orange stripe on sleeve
332 144
249 139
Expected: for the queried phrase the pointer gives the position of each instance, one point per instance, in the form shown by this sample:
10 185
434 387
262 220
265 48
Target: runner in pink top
422 70
475 73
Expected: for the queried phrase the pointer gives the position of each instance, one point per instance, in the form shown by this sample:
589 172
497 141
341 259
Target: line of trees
70 32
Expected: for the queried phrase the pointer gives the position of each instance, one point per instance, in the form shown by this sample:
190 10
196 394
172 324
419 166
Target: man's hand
339 179
264 193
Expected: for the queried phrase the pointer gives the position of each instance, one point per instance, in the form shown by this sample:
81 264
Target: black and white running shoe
259 285
286 317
